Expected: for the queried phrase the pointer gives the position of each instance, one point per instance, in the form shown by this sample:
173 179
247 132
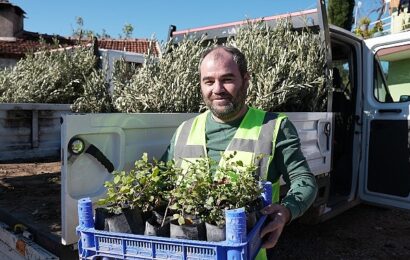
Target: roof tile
135 45
29 42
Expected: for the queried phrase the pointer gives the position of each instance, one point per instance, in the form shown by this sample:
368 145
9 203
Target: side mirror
404 98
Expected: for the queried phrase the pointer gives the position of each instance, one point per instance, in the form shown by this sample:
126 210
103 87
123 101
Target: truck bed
30 195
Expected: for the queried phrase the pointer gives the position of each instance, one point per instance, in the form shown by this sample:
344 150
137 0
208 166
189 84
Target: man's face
222 86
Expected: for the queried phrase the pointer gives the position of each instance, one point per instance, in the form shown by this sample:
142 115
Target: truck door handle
326 130
77 146
94 151
397 111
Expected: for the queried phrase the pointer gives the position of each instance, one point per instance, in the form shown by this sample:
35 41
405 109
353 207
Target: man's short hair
238 57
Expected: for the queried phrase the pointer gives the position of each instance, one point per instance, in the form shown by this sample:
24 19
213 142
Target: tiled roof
29 41
136 45
17 49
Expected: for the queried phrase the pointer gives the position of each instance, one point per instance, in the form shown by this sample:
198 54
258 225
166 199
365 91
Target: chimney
11 20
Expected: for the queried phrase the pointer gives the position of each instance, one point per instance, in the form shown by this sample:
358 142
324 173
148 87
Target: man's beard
230 110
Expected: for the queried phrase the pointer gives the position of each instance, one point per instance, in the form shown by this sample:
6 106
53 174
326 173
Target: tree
80 32
104 35
340 13
127 30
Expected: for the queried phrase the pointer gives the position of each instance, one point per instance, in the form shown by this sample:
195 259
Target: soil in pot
156 226
215 233
194 231
129 221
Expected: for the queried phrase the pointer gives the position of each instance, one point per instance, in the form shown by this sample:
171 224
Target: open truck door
385 163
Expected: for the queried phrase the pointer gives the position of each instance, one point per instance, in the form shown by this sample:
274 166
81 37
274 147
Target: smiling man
232 127
223 85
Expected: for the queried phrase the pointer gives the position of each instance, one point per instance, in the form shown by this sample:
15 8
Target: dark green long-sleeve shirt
288 161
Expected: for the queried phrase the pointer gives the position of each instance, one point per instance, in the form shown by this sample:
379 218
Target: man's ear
246 79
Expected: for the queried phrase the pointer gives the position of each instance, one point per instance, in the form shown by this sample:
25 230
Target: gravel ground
363 232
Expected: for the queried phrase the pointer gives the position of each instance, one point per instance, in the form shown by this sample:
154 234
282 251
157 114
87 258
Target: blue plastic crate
238 245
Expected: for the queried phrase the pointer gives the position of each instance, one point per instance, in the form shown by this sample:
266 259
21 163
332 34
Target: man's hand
278 216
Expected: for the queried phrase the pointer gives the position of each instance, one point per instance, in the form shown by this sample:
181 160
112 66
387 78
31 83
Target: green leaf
101 202
181 220
174 206
145 157
117 179
210 201
233 176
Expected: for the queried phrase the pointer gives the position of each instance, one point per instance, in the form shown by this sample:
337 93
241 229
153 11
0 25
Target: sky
149 18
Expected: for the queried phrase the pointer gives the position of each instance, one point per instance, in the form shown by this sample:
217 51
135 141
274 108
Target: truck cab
369 101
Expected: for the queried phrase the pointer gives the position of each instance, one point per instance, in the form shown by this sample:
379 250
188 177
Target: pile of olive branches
67 76
167 84
287 67
287 73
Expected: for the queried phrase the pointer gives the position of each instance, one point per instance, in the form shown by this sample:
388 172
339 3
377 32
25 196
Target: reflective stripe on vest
255 136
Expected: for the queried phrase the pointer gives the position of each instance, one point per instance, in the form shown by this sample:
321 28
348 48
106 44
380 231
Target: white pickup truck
364 158
359 150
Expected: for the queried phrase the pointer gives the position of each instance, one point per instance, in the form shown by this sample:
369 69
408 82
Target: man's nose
218 87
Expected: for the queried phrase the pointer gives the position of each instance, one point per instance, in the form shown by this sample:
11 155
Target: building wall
109 57
394 4
400 22
7 63
10 22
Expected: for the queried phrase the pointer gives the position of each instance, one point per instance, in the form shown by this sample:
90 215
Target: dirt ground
32 191
363 232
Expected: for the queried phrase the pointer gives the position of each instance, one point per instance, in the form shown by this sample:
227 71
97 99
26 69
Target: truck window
381 93
343 107
393 66
343 57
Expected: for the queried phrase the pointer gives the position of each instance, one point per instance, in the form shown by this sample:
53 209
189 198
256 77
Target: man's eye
208 83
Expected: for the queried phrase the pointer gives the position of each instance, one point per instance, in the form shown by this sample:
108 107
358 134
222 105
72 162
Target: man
233 126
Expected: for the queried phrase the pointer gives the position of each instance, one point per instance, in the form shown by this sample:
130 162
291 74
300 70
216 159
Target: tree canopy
340 13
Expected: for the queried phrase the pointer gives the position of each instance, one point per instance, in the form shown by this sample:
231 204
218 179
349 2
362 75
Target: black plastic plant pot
192 231
100 220
155 226
157 230
251 220
129 221
215 233
253 213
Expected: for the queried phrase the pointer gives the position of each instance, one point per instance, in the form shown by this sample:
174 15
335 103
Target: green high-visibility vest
255 136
